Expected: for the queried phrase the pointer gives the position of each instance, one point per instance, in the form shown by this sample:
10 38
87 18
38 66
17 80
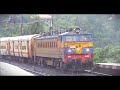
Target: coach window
13 43
56 44
20 45
51 44
16 47
41 44
46 44
3 47
23 47
38 45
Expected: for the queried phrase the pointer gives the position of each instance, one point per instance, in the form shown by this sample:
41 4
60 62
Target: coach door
28 49
8 47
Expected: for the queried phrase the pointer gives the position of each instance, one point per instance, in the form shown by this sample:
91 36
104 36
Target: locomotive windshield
78 38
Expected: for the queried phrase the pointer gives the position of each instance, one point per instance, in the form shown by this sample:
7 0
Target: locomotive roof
62 34
25 37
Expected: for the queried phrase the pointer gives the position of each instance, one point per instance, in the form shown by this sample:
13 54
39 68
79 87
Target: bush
109 54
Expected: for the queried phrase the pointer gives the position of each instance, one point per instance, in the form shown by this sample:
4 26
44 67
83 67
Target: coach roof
25 37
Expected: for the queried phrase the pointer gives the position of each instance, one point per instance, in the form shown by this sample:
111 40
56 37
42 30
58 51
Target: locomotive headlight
72 47
69 50
69 56
78 48
87 49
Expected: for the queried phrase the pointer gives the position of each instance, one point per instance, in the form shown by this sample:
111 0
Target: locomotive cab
78 50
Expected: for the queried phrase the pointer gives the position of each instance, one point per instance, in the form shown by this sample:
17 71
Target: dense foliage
108 54
104 27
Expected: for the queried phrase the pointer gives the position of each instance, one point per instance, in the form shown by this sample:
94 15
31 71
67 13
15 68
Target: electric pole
21 24
10 24
51 24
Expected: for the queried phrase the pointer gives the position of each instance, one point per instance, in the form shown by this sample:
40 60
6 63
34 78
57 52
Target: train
69 50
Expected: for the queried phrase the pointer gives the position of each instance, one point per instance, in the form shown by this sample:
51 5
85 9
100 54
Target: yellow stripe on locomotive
78 46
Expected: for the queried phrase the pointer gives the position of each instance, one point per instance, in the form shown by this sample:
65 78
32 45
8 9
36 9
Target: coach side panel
47 48
3 48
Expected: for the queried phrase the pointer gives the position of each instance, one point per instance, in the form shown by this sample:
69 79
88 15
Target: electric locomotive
78 50
68 50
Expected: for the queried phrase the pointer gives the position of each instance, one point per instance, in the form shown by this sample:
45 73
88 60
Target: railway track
87 72
49 71
97 73
33 72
